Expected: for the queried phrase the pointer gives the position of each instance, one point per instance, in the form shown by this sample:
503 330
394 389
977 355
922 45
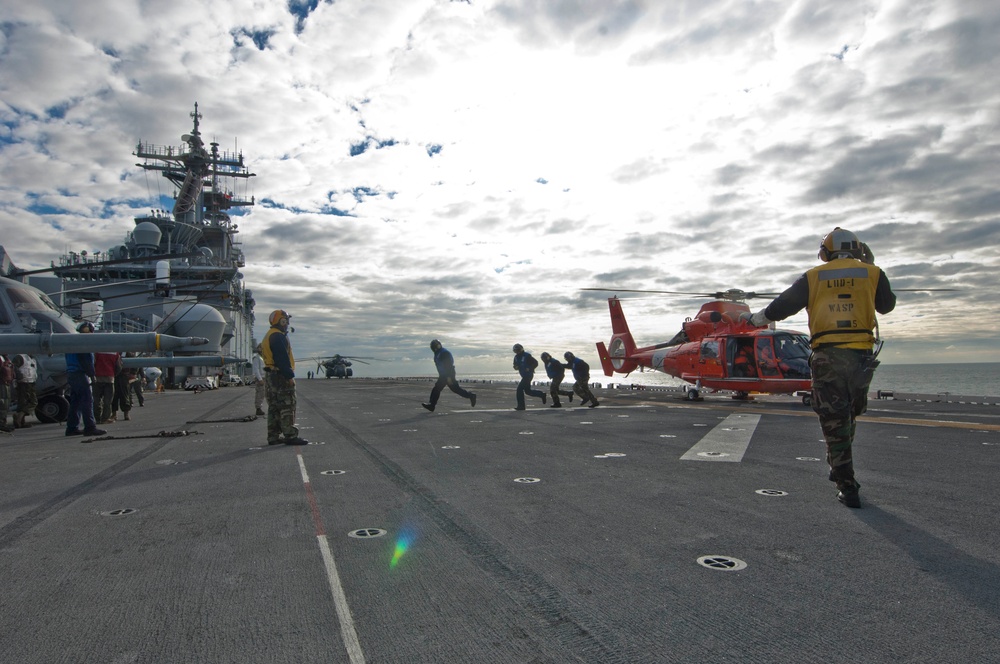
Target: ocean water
964 379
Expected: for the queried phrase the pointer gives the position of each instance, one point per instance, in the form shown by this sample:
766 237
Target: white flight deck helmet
840 241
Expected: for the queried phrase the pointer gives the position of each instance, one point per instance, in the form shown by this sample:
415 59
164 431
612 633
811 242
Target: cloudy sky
459 169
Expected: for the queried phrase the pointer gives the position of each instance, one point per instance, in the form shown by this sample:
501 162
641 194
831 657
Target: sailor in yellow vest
279 372
842 297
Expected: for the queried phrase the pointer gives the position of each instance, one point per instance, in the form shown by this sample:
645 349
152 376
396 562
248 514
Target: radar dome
197 320
147 235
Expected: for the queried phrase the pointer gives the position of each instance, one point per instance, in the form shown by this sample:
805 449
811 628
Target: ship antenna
196 115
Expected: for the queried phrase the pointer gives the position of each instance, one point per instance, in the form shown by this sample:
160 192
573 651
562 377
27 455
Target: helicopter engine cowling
704 323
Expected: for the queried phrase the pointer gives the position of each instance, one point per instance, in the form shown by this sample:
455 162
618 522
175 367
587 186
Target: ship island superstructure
175 268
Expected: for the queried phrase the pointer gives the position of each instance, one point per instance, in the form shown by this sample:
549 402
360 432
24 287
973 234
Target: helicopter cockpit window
710 350
793 355
27 322
5 318
40 322
29 300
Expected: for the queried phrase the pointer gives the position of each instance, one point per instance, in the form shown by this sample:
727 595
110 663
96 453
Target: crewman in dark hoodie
445 364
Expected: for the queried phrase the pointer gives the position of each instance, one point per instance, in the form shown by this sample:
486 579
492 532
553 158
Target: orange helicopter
715 350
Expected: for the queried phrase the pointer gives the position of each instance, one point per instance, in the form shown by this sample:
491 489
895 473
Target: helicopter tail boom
617 355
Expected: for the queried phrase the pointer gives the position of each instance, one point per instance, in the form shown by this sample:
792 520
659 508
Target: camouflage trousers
582 389
840 381
260 391
27 398
280 407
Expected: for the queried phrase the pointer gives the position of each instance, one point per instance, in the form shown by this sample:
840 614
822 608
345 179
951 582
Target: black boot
849 496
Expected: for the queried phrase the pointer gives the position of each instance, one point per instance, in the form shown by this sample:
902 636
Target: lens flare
402 546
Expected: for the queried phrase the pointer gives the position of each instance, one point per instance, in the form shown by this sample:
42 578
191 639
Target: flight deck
649 529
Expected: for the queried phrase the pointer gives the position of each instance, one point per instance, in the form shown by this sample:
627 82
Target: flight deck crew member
445 363
105 368
122 399
79 375
8 376
27 398
135 381
279 369
842 297
581 373
555 370
260 386
525 365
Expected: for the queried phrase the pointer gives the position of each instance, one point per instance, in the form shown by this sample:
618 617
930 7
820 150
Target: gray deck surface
234 552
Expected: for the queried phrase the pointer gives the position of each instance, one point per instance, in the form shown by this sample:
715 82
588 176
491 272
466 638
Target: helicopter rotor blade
734 294
333 358
924 290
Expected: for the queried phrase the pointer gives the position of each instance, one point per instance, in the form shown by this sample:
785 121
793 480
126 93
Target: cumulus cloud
428 168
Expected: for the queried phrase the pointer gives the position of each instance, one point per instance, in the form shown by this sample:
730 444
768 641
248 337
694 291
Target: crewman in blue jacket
80 375
445 363
525 365
581 373
557 372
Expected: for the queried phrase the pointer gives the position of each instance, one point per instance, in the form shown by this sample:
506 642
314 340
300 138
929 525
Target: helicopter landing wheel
807 400
692 394
52 409
742 396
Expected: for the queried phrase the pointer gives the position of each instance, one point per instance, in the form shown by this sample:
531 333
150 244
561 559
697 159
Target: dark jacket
445 362
581 370
80 363
555 369
525 364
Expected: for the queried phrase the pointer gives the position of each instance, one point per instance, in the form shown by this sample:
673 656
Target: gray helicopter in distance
339 366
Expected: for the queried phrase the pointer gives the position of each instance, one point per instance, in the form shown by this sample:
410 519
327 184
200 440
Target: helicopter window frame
25 299
767 361
735 346
710 349
794 364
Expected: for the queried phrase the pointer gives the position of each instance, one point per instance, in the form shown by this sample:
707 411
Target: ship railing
119 322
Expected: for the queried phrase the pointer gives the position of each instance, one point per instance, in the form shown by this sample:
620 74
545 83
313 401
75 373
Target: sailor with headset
842 297
279 372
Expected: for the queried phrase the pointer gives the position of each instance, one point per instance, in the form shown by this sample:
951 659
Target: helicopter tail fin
617 355
602 353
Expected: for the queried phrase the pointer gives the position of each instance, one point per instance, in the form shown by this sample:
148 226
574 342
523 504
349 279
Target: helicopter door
766 363
741 359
